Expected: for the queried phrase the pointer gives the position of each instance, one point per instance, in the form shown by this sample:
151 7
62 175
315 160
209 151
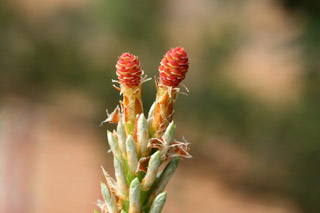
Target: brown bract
163 111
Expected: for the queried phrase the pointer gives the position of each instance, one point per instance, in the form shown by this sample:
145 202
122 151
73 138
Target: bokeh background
252 114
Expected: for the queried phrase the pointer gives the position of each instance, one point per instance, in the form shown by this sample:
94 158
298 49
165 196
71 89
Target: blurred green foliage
38 58
304 125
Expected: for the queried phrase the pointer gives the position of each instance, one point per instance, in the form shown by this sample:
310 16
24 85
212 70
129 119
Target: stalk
173 69
129 73
141 145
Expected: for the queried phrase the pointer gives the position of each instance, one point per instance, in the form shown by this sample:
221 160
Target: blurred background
252 114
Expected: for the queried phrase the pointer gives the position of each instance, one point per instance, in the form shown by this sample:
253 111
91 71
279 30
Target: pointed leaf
142 135
158 203
134 196
109 198
152 171
164 179
121 178
150 114
132 154
121 132
114 145
168 136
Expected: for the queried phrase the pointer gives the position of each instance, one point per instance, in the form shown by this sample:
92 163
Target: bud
129 70
174 67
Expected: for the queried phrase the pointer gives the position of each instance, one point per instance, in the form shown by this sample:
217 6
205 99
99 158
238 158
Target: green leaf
164 178
132 154
158 203
134 196
168 135
108 198
152 171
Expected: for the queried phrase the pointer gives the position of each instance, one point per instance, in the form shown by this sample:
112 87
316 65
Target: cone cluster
138 146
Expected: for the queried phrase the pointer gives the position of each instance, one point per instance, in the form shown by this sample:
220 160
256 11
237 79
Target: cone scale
140 145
